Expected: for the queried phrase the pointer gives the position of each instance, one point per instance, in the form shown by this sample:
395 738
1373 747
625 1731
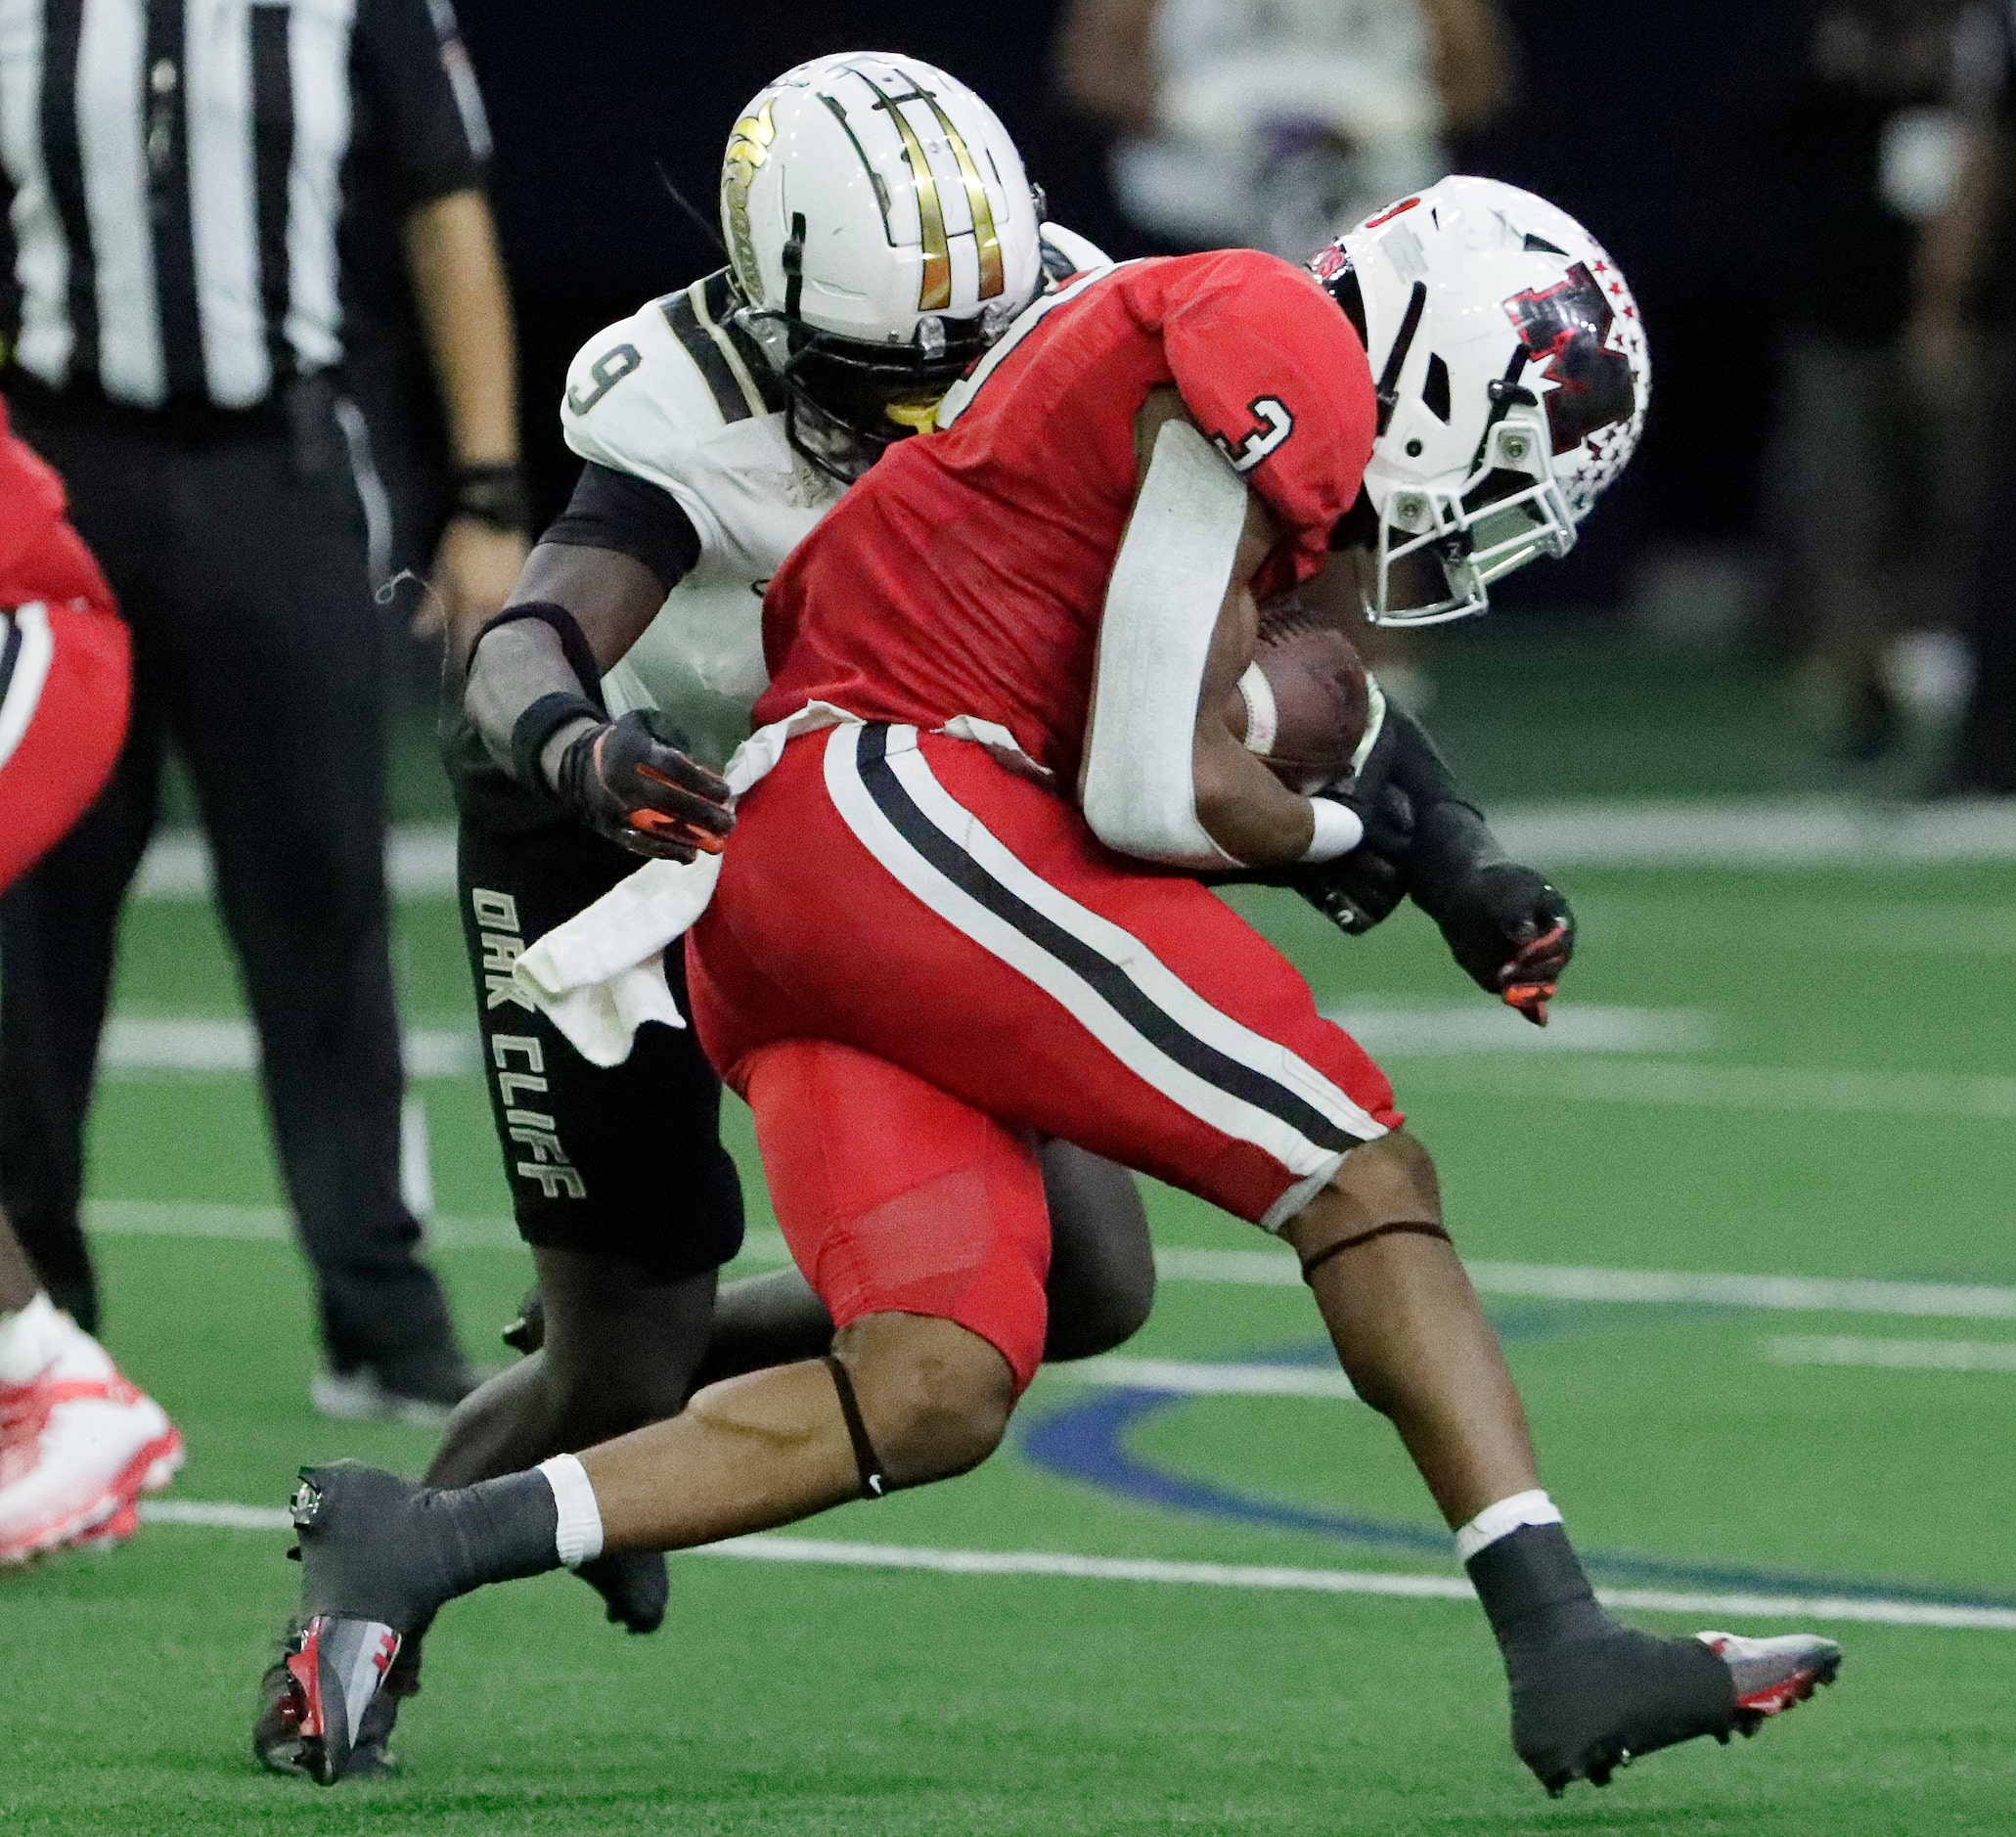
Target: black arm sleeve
416 76
1451 840
1418 767
612 510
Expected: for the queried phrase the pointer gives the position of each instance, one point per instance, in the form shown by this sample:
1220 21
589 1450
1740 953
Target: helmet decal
985 236
748 147
935 292
1566 328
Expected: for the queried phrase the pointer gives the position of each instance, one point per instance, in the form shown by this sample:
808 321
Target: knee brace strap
1412 1228
873 1482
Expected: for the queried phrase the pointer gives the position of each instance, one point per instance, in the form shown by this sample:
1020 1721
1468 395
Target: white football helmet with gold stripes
882 231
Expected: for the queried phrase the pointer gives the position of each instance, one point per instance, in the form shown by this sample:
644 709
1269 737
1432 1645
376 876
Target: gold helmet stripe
984 233
935 295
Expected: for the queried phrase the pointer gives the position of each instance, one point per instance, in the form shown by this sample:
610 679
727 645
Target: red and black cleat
277 1742
1773 1675
332 1674
1586 1708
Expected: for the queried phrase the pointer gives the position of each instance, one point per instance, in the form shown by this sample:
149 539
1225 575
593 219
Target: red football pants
62 719
916 963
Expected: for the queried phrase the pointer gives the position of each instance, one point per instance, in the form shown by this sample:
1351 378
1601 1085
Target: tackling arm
576 609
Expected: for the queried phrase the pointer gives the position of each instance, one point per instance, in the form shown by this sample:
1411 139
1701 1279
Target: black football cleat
1583 1709
634 1587
371 1572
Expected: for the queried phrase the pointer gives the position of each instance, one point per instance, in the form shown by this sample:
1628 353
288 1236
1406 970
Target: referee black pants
237 550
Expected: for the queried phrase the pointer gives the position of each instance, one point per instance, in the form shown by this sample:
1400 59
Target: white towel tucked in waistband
602 976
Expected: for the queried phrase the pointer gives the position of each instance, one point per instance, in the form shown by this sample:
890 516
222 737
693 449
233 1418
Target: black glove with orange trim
1510 930
629 780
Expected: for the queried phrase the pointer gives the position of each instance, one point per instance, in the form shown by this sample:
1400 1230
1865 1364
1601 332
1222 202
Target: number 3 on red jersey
1271 426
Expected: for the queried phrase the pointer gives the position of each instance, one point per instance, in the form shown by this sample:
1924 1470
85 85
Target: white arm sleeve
1162 606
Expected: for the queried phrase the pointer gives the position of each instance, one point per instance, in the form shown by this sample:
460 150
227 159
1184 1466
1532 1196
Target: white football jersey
682 398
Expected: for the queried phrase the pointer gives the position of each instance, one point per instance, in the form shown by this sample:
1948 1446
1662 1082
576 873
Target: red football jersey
966 574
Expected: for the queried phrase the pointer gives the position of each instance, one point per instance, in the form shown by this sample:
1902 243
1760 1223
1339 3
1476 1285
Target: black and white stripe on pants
1238 1082
26 649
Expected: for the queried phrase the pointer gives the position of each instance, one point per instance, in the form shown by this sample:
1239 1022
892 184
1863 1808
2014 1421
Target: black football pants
623 1162
237 556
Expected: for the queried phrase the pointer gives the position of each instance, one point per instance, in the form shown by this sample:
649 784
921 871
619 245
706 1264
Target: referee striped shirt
185 176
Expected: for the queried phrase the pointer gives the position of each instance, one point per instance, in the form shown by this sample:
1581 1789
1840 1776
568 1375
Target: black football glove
1513 932
628 780
1357 891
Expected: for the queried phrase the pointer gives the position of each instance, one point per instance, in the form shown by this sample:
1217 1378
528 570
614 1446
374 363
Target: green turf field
1772 1073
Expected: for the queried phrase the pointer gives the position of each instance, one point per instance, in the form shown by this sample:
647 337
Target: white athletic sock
1502 1519
578 1535
31 1339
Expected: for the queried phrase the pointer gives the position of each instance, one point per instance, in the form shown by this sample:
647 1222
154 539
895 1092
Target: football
1305 700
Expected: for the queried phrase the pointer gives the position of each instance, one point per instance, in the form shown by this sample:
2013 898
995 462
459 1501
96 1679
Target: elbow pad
1162 605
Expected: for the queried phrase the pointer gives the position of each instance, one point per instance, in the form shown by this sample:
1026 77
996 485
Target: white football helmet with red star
1512 377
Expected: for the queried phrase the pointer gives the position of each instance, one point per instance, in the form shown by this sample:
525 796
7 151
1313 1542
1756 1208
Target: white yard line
1776 833
1404 1029
1952 1097
1723 832
1463 1046
1246 1268
1194 1377
138 1045
839 1554
1895 1355
1551 1282
272 1224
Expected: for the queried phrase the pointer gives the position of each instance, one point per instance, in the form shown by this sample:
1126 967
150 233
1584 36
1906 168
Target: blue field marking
1090 1442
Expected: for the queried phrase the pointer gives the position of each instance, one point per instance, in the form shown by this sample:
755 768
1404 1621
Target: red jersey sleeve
1274 373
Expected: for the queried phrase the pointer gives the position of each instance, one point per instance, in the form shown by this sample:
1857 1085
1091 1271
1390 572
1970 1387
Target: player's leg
923 1224
58 929
1408 1326
77 1443
1588 1694
618 1182
1101 1286
1146 1021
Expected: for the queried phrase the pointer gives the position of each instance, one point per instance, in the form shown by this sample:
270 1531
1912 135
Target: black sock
1533 1589
496 1530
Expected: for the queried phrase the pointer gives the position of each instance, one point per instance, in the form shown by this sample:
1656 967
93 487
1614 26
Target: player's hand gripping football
628 780
1513 932
1360 890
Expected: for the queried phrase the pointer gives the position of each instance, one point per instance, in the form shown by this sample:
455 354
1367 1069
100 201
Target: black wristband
574 644
494 494
539 723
